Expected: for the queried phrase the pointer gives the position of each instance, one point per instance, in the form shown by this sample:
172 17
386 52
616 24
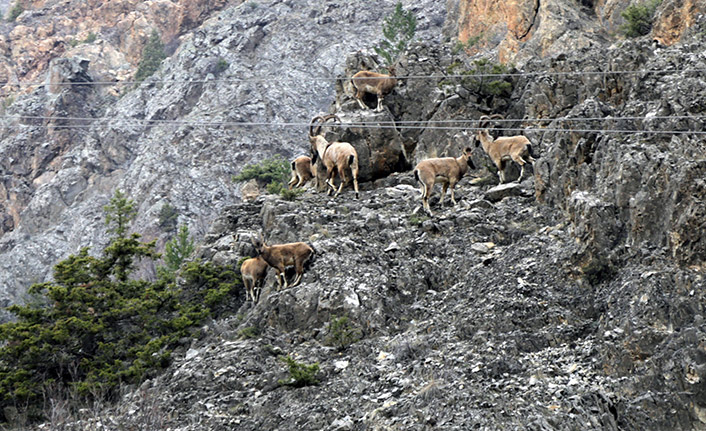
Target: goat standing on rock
504 148
336 156
379 84
446 170
280 256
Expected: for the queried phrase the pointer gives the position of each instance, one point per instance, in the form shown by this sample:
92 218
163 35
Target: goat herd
341 158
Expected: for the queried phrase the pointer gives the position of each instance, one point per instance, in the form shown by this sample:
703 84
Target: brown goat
281 256
302 171
253 272
502 149
446 170
337 157
379 84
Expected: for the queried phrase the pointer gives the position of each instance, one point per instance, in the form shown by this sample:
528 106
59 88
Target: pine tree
398 29
175 252
152 56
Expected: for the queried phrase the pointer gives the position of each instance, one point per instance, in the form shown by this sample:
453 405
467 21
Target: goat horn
311 126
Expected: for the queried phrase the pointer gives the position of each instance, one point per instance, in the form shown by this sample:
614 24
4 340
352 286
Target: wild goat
253 272
379 84
335 156
446 170
281 256
504 148
302 171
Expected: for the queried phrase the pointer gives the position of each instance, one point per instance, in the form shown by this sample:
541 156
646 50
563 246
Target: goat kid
445 170
253 272
337 157
281 256
379 84
303 169
505 148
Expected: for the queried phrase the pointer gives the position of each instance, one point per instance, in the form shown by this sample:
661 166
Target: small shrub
290 195
417 220
477 80
249 332
273 173
638 18
90 38
342 333
15 12
221 66
300 374
467 45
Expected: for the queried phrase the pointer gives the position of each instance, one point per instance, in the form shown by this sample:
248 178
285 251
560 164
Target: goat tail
294 165
416 175
351 159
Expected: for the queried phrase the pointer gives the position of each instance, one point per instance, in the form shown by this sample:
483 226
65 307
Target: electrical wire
407 77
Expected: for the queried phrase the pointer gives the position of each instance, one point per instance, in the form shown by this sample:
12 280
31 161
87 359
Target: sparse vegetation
300 374
639 18
417 219
152 56
249 332
398 30
290 195
15 12
342 333
221 66
467 45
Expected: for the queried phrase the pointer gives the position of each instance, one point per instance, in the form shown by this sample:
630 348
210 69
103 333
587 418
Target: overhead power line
405 123
333 79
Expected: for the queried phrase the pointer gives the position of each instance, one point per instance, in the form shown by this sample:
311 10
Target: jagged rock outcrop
110 35
523 30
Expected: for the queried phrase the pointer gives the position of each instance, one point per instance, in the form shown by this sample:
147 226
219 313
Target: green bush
417 220
152 56
249 332
290 195
300 374
16 11
477 79
97 326
398 30
272 173
638 18
342 333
